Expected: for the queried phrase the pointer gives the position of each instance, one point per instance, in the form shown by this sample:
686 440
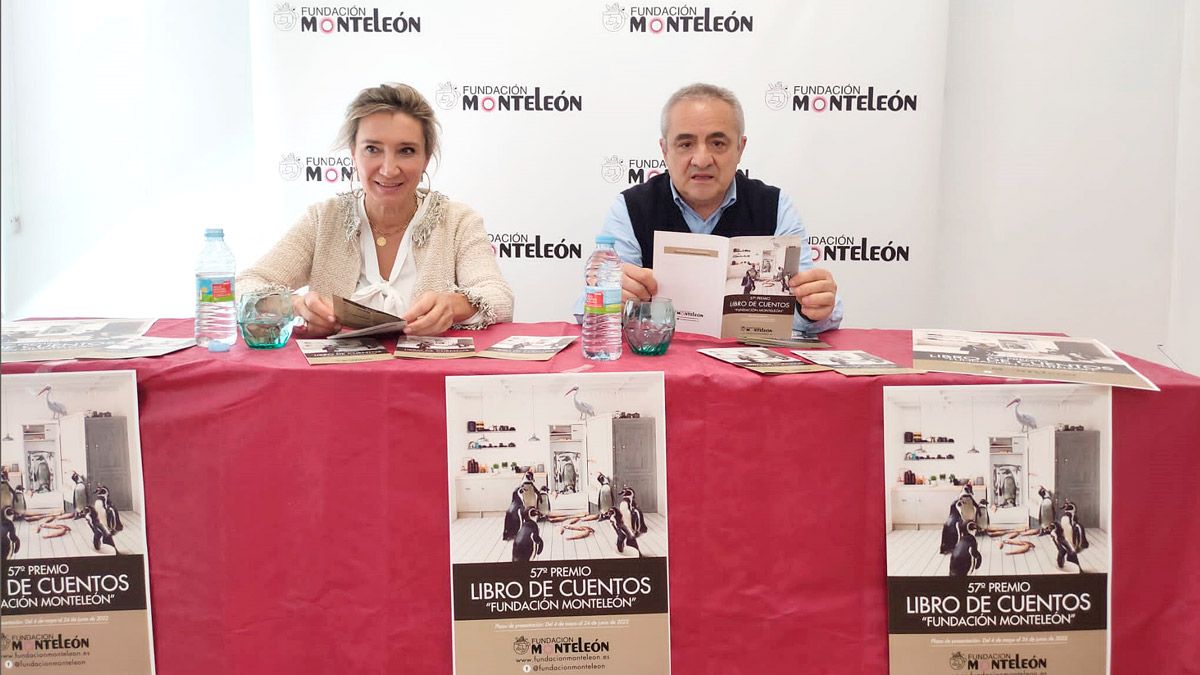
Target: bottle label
214 289
601 300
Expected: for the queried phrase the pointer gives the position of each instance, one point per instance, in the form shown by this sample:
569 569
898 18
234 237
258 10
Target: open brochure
762 360
728 287
528 347
364 320
435 348
853 362
320 352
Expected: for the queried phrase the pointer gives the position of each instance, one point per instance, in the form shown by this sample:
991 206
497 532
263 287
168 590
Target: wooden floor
78 542
914 553
480 540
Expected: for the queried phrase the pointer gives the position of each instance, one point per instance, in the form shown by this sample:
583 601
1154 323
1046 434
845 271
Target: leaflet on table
24 341
75 584
435 348
365 320
527 347
1030 357
728 287
561 565
762 360
319 352
999 546
854 362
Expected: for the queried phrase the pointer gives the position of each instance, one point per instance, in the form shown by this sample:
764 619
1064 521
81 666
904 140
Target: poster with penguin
557 493
75 589
998 521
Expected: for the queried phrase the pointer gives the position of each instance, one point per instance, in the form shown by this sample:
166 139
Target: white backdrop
549 176
1052 188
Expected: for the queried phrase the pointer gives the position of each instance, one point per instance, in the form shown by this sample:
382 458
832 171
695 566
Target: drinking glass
649 325
265 317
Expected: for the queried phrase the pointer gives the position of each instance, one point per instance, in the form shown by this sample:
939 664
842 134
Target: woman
391 246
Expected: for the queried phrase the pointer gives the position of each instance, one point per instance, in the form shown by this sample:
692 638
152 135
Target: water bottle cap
605 239
214 232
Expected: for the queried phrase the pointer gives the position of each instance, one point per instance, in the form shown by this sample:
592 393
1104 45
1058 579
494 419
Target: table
261 562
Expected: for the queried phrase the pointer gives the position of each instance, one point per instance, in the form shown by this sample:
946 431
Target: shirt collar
730 197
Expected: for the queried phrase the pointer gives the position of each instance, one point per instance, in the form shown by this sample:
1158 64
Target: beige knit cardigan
449 246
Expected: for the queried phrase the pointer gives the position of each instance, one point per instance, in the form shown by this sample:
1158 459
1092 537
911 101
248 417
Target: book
364 320
435 348
853 362
728 287
527 347
762 360
319 352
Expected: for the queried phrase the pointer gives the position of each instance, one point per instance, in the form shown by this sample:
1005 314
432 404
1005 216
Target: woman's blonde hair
390 97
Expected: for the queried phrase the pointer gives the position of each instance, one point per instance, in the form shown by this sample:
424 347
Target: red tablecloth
264 559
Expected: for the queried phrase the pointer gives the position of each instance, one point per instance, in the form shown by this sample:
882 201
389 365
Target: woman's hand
433 313
317 312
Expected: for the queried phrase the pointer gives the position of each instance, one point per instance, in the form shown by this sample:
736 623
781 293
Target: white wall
1069 163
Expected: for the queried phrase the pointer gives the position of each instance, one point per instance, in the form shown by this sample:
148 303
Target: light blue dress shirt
617 224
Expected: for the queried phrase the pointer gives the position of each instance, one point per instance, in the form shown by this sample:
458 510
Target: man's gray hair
700 90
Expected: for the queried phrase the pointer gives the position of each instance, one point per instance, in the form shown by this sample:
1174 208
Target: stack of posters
1030 357
762 360
728 287
23 341
527 348
75 589
346 350
558 539
999 528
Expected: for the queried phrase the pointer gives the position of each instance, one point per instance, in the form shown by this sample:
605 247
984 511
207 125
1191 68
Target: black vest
652 207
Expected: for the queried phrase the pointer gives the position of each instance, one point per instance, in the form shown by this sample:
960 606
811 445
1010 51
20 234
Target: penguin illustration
604 494
10 543
950 529
630 511
6 491
1045 511
528 493
18 503
543 501
967 506
966 557
100 534
102 505
982 520
569 476
512 517
528 542
1066 552
625 536
41 475
1008 492
80 493
1078 534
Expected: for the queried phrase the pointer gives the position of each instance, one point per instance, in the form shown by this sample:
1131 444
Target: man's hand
816 291
317 312
433 313
637 282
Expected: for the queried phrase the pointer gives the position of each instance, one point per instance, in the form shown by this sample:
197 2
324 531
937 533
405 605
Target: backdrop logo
958 661
838 98
659 19
315 168
445 96
512 98
611 169
329 19
285 17
289 167
521 646
613 18
846 247
633 171
519 245
776 96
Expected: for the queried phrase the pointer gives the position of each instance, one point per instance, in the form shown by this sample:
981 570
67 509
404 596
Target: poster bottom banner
1043 653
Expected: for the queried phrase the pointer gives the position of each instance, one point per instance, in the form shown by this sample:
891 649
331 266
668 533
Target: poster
558 523
1029 357
76 595
60 339
999 528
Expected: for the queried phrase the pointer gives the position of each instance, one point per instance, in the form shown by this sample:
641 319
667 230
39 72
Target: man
702 142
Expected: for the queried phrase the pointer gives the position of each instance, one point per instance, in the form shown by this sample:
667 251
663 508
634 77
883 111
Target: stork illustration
585 409
57 409
1026 421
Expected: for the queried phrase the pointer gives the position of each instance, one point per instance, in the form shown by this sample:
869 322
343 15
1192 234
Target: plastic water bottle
216 312
602 303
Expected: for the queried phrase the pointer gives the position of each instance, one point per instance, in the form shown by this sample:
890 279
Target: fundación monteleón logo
521 646
658 19
506 98
313 168
845 247
837 98
328 19
632 171
523 245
